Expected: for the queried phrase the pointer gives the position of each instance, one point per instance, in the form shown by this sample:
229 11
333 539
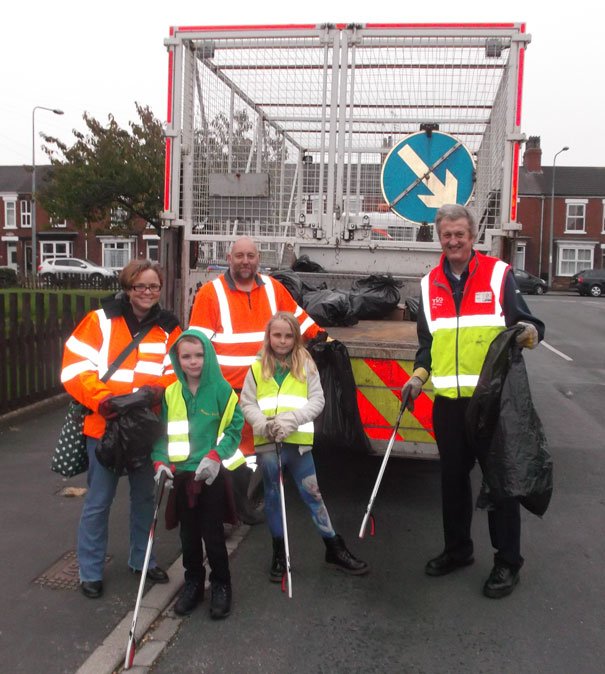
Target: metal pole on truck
368 514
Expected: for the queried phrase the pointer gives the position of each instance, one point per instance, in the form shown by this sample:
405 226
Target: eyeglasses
142 287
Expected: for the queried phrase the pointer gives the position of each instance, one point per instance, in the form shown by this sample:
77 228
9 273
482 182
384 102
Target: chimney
532 157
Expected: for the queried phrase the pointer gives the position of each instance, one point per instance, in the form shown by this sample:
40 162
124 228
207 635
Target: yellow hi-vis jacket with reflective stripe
183 449
274 399
461 339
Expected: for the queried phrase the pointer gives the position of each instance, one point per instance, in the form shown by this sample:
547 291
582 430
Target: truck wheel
595 290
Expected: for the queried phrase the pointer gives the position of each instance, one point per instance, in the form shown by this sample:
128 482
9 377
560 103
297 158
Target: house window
572 259
10 214
576 215
50 249
116 254
153 251
26 213
58 224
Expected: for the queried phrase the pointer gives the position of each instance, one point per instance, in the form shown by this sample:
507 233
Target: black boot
220 600
246 512
338 557
190 596
278 565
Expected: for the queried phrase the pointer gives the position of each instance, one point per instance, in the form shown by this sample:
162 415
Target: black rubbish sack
412 303
126 444
506 431
304 263
375 296
294 284
329 307
339 425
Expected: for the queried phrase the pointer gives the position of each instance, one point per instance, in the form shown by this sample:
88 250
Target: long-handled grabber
368 515
288 574
131 647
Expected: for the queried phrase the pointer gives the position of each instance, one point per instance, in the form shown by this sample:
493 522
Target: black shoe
92 589
501 582
156 574
189 597
220 601
278 564
445 563
338 557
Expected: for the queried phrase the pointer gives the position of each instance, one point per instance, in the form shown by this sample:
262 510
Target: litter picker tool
368 515
131 647
288 575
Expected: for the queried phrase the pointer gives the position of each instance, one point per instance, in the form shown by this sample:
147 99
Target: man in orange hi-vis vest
232 311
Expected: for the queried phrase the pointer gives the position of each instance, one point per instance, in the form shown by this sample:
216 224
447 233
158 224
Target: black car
527 283
589 282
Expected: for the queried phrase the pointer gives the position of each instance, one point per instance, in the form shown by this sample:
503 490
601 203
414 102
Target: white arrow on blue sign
424 172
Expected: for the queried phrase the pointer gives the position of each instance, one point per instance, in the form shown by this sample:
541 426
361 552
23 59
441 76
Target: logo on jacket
437 302
484 297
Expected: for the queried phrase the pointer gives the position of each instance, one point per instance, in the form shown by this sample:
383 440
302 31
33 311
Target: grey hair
456 212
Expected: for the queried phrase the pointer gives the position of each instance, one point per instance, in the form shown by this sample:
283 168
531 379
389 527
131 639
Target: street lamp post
33 213
551 241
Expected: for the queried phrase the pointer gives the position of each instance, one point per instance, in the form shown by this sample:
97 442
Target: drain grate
63 574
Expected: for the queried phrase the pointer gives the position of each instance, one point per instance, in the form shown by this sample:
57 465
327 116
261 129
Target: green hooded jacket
212 412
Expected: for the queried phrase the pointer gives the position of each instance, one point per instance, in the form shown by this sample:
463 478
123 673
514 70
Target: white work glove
163 468
207 470
267 430
283 425
528 337
414 385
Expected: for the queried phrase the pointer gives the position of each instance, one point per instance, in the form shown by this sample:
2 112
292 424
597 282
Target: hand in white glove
283 425
269 430
528 337
207 470
163 468
414 385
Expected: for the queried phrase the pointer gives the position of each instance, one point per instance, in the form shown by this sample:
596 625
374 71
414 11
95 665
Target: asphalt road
399 620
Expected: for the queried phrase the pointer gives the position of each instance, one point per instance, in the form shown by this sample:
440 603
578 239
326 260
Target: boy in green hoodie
204 423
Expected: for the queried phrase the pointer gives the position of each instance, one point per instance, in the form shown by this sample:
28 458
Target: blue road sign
423 172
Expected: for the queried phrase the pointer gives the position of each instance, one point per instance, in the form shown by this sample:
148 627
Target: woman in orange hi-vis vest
89 352
232 311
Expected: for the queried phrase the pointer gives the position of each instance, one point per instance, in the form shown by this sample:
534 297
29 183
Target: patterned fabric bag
70 457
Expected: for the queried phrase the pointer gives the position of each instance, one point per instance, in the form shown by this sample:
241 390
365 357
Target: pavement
46 624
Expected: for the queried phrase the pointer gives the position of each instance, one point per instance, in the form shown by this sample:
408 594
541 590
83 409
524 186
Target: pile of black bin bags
509 438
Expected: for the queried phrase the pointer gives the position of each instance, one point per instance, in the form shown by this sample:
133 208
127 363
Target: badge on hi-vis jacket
483 297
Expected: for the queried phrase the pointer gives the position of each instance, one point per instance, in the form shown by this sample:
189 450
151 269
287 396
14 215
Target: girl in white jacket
282 394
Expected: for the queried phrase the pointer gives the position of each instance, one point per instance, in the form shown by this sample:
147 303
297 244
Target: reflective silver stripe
152 347
178 448
426 302
79 348
306 324
178 427
270 290
272 402
453 381
105 326
238 338
223 306
496 283
205 331
235 361
75 369
474 321
298 311
126 376
237 457
145 367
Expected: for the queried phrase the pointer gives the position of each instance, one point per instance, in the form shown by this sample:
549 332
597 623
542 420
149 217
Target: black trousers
457 460
203 521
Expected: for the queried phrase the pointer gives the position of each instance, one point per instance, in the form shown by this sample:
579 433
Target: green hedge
8 278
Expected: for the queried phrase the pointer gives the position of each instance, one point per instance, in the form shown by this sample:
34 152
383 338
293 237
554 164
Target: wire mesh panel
281 133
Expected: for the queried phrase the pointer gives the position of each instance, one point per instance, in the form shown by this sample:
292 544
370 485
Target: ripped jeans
302 469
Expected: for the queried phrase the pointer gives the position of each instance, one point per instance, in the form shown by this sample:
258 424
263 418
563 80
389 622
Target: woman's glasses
142 287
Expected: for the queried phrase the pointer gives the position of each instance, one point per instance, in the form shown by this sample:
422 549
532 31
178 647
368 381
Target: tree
108 169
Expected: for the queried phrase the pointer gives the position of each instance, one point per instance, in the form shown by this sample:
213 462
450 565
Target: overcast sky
102 57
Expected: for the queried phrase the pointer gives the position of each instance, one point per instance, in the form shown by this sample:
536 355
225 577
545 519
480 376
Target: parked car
528 283
54 271
589 282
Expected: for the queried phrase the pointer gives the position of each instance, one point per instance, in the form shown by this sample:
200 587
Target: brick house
578 217
95 241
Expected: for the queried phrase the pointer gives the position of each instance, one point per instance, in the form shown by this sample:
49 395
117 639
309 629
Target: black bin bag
329 307
506 431
374 297
339 425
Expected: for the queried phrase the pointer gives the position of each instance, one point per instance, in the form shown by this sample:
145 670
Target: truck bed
378 339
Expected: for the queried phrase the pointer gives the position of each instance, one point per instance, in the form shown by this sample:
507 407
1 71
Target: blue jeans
302 469
94 521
